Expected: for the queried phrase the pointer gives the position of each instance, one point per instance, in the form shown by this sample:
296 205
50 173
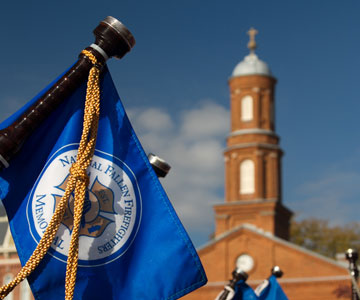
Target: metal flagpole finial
160 166
252 43
277 272
229 289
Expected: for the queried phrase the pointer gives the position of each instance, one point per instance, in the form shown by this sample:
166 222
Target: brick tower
253 155
252 225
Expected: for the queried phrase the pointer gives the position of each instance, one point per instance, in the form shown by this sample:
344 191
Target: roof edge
270 236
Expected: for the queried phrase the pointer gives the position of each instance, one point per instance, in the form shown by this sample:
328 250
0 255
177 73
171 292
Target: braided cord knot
78 173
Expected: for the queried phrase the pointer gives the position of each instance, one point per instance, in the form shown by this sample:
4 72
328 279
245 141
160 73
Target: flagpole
352 256
112 39
237 274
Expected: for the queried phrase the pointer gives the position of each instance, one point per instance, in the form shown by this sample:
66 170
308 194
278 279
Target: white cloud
153 119
192 144
332 196
210 120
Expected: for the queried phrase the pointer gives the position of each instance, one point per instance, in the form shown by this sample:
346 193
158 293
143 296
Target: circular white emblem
112 208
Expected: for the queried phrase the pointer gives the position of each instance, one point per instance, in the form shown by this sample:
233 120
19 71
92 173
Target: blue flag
268 290
244 292
132 244
273 291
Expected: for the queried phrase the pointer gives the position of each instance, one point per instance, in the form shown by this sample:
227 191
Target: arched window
25 292
7 279
247 108
247 177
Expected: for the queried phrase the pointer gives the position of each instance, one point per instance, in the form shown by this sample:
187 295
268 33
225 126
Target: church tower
252 226
253 155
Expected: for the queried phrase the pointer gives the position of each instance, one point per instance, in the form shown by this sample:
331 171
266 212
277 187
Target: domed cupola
251 64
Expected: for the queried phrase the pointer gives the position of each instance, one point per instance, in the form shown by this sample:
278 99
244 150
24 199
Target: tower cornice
253 131
255 145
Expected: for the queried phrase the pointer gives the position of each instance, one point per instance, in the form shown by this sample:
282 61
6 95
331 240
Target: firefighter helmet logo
112 208
99 198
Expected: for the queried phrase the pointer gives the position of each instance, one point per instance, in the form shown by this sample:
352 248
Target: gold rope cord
78 181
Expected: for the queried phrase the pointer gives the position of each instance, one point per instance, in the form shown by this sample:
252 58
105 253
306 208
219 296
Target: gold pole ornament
95 56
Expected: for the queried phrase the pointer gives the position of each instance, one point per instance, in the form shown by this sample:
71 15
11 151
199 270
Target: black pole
237 275
112 39
352 256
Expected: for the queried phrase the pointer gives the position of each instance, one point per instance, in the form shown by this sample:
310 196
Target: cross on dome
252 43
251 64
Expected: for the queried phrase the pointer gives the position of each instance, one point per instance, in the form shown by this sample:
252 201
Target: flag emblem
112 208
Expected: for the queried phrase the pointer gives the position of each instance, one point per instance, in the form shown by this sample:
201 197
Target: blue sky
174 86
